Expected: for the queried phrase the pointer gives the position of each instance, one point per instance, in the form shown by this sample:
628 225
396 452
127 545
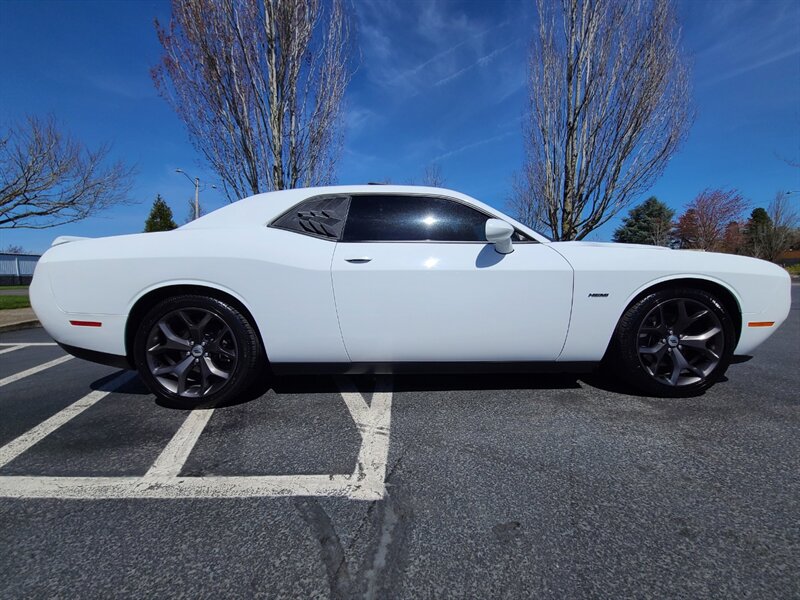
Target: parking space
479 486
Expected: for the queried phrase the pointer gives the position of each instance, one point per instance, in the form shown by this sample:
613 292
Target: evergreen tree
757 233
160 218
759 216
648 223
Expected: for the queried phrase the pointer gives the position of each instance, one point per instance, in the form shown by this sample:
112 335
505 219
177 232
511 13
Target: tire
193 350
674 343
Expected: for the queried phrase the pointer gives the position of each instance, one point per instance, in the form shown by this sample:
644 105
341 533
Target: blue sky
437 81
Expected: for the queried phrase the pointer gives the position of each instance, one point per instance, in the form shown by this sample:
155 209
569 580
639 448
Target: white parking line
171 460
253 486
374 452
366 482
12 348
19 445
28 344
34 370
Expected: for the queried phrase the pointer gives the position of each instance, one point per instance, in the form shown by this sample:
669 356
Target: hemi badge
597 295
86 323
761 323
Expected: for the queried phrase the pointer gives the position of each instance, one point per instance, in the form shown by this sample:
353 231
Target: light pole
196 182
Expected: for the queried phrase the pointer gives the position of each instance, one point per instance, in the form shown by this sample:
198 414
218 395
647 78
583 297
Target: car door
415 280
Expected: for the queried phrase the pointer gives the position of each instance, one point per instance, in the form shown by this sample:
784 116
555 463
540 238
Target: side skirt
388 368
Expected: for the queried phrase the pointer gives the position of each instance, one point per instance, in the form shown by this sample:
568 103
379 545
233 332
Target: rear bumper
73 329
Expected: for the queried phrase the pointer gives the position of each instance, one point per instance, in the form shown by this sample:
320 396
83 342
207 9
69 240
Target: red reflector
761 323
86 323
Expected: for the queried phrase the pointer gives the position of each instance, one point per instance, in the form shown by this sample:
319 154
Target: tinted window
412 218
319 217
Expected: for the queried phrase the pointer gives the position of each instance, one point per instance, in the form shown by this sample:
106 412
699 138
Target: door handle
359 261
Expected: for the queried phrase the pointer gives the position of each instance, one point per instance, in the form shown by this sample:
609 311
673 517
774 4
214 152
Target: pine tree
757 232
648 223
160 218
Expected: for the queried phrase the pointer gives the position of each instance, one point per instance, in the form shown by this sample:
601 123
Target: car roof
260 209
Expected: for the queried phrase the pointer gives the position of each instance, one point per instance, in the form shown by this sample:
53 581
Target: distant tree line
714 221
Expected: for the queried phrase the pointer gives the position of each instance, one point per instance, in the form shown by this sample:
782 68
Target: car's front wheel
195 350
674 342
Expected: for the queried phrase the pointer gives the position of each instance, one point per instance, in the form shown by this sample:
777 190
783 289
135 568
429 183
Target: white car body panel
451 302
623 271
415 301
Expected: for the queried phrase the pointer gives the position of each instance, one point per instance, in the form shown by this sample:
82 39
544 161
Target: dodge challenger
390 279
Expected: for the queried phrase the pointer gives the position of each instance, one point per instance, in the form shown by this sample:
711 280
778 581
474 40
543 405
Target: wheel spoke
215 345
164 370
700 340
182 370
205 375
654 349
200 328
697 316
678 365
172 341
214 369
659 359
696 370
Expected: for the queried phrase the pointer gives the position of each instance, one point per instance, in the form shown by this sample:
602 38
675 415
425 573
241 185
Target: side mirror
499 233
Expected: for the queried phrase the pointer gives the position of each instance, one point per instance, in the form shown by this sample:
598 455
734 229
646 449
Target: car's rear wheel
674 342
195 350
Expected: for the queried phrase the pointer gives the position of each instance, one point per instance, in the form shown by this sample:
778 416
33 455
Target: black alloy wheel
196 350
675 342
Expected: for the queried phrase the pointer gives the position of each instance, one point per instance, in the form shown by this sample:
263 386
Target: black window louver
321 217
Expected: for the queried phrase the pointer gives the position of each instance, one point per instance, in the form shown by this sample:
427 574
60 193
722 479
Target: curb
20 325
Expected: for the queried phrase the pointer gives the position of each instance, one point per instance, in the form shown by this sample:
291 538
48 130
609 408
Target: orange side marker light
761 323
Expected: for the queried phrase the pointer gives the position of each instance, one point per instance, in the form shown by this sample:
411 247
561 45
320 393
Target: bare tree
190 213
609 105
523 204
259 85
773 237
48 178
432 176
704 224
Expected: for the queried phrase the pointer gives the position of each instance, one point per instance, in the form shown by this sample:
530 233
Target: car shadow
327 384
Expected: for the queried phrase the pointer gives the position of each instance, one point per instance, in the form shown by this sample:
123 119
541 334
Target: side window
318 217
382 218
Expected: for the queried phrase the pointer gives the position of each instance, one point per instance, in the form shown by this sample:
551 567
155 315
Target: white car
391 278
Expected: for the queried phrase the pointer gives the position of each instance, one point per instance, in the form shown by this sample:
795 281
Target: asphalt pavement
493 486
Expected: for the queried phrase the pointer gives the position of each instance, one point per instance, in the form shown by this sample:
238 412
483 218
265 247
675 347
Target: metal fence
17 269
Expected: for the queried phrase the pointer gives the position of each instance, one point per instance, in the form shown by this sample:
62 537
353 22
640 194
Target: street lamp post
196 182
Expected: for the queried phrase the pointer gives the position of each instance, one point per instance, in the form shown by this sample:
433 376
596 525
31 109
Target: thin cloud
753 66
448 51
482 62
471 145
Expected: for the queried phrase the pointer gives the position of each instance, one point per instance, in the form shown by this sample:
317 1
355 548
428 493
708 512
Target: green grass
14 302
794 270
13 287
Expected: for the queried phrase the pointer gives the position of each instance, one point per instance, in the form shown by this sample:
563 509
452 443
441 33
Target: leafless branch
433 176
769 240
48 178
259 85
704 224
609 105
